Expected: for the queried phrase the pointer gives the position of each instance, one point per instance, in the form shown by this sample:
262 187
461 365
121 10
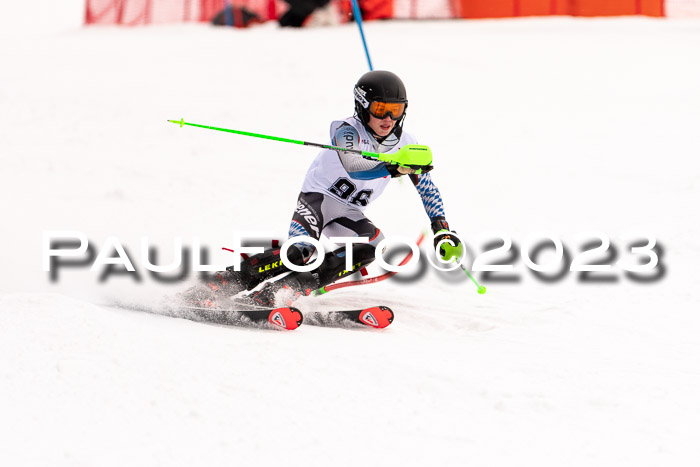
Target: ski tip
286 318
377 317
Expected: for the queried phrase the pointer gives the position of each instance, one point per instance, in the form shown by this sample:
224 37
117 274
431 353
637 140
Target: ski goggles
382 109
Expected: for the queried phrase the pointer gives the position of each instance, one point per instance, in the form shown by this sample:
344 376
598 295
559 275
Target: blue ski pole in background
358 18
228 13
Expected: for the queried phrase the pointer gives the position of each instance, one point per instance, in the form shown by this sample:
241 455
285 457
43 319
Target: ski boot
254 270
287 290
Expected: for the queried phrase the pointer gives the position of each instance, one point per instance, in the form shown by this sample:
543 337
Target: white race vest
327 174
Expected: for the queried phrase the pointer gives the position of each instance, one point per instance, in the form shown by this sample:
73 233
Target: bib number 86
345 189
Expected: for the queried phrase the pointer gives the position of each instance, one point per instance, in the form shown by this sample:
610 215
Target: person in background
299 10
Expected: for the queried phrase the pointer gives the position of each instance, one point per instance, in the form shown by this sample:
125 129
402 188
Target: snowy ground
555 124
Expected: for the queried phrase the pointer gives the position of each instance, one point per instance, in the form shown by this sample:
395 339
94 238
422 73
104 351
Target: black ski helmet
381 86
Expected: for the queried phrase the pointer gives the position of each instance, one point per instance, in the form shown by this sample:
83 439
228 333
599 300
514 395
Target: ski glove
451 248
397 170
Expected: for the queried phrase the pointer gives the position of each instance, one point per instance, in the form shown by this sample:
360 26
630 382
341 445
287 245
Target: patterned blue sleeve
432 201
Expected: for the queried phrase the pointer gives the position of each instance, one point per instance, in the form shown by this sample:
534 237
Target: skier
337 189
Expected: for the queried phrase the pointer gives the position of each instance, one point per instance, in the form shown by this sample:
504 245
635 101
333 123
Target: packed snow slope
563 125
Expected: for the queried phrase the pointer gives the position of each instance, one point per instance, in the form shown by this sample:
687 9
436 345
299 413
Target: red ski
376 317
286 318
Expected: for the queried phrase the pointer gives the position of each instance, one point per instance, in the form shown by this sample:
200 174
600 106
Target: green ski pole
479 288
414 156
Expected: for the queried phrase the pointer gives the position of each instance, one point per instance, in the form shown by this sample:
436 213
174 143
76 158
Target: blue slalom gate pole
228 13
358 18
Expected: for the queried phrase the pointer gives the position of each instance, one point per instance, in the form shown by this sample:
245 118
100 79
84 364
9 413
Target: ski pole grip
414 156
386 158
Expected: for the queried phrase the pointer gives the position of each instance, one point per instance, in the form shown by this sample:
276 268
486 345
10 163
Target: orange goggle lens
382 109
